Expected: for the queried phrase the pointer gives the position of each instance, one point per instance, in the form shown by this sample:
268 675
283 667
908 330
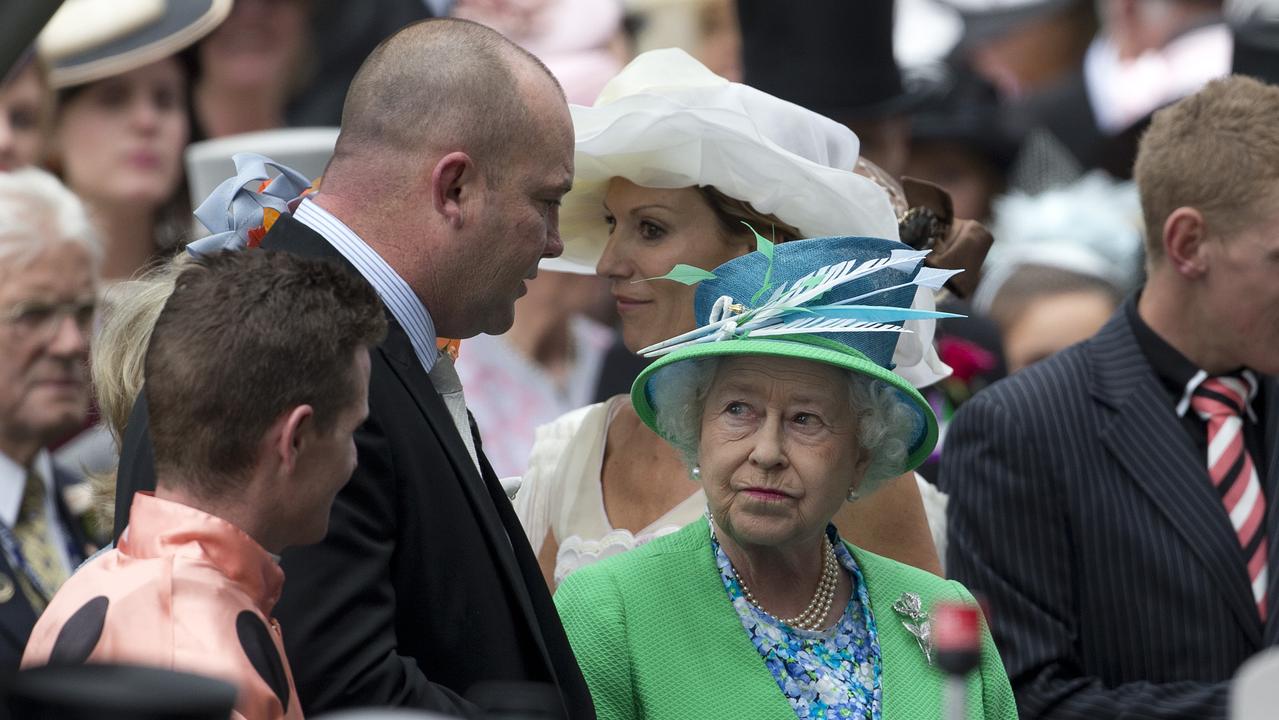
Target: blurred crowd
1022 118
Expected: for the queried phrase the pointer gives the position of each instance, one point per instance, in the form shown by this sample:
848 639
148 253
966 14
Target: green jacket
657 638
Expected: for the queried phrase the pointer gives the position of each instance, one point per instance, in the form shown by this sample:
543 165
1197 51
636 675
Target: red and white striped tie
1220 402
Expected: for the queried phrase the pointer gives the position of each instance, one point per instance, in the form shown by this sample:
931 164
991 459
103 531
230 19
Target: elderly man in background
443 191
1113 502
48 284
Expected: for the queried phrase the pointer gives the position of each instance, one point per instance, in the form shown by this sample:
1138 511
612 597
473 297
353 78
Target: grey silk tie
449 386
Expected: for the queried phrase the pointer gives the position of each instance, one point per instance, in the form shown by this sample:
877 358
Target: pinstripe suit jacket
1082 511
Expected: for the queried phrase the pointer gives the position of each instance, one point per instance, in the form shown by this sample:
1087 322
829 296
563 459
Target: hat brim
782 159
74 57
802 347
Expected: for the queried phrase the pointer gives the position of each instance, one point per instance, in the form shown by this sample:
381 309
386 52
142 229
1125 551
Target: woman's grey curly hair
885 425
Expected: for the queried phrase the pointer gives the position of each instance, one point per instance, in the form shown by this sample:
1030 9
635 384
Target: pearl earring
697 472
853 495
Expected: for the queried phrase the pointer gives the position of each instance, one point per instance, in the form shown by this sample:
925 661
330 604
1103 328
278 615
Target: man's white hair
37 212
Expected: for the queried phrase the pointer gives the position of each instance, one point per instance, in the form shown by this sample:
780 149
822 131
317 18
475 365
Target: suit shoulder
1046 383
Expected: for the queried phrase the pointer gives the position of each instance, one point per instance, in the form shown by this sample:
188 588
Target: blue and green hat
842 301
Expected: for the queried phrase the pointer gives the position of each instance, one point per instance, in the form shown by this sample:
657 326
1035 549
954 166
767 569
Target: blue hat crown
855 291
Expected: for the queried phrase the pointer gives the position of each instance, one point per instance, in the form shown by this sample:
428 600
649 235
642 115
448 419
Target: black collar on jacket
1145 436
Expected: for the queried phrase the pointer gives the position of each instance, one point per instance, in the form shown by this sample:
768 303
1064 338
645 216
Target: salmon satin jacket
183 590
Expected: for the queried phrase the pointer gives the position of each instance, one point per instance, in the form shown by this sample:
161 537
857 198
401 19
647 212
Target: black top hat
116 692
832 56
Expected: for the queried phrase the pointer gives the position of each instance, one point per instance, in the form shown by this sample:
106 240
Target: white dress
561 492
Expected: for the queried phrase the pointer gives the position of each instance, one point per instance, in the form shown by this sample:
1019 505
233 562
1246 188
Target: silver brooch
915 620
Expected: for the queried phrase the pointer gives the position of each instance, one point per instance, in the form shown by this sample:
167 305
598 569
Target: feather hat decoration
840 301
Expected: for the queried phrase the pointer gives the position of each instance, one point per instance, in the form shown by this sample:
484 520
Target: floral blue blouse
834 673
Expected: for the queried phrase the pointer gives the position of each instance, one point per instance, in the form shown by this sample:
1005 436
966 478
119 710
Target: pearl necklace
814 616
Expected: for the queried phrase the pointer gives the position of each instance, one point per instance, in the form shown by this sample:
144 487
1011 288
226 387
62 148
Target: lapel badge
915 620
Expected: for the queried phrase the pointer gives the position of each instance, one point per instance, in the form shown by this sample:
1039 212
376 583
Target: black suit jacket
1082 511
17 617
425 585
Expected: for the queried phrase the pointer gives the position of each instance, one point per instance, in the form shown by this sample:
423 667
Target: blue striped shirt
395 293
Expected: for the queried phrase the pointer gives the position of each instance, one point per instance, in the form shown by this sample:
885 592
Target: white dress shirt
405 307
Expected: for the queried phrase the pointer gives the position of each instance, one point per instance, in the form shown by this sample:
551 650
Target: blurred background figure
580 41
1025 47
960 140
250 67
1088 74
344 33
1062 262
25 106
1150 53
122 119
546 365
1255 27
49 257
706 29
835 58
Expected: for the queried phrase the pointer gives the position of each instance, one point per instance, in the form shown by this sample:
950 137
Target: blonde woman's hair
118 354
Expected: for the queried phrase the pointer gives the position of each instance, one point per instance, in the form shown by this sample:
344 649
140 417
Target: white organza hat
666 121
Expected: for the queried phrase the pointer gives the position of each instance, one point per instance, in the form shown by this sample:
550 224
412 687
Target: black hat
19 25
834 57
116 692
964 108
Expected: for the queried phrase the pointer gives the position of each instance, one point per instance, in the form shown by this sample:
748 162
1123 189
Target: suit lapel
1270 482
482 497
1148 440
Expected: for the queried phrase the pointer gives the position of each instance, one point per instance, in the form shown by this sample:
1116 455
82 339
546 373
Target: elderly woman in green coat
784 406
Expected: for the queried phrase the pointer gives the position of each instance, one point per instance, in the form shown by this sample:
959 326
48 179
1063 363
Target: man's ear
451 180
294 429
1185 238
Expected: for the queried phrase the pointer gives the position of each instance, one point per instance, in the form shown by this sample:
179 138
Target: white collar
1254 385
13 480
394 291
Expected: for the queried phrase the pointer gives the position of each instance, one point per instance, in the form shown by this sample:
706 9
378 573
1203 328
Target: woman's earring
853 495
697 472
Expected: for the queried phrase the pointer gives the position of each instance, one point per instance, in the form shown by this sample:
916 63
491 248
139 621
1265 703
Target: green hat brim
803 347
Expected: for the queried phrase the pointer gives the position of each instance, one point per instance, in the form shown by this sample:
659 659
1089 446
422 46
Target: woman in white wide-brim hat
122 118
672 163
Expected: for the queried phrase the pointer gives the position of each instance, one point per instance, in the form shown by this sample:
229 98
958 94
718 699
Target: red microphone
956 631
